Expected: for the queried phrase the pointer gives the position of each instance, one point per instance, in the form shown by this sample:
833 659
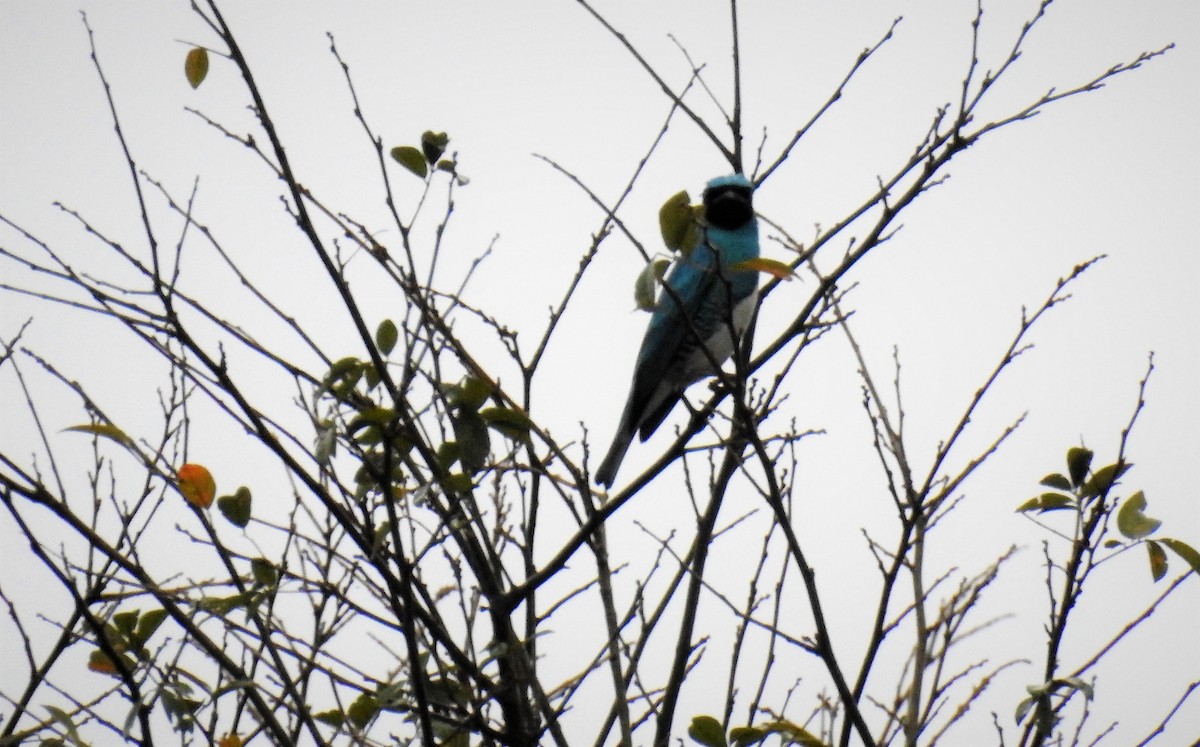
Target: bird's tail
607 473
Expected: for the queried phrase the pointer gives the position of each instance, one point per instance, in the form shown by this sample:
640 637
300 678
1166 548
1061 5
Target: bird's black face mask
728 206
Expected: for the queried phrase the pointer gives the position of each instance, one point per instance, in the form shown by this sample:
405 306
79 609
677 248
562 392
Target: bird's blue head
728 202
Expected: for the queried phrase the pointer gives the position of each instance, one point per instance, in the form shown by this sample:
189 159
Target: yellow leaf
197 485
195 66
108 430
645 288
232 740
677 221
770 266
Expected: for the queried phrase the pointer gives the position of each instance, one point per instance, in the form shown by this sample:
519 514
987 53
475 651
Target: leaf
195 66
197 485
62 717
1079 460
1103 479
772 267
1131 522
469 394
442 691
743 736
677 222
106 430
1047 502
1057 481
512 423
230 740
325 444
1185 551
1076 683
222 606
98 661
180 709
124 622
411 159
474 444
433 145
795 734
331 718
707 731
386 336
645 287
457 482
264 572
236 508
1023 708
147 624
362 710
1158 560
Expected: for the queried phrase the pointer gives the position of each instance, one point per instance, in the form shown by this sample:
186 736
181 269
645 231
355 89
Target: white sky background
1114 172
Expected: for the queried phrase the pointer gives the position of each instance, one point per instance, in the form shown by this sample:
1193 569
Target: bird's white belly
720 345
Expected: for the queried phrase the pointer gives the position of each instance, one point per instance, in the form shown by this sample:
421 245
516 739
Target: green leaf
457 482
1056 481
1079 460
474 444
1185 551
333 718
1047 502
447 454
147 624
468 394
1158 560
411 159
105 430
512 423
448 692
707 731
362 710
264 572
743 736
195 66
1103 479
1023 708
236 508
368 416
433 145
180 709
64 719
386 336
124 622
222 606
677 222
645 287
1131 522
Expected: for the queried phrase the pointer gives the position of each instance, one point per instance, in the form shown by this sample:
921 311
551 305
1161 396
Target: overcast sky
1114 172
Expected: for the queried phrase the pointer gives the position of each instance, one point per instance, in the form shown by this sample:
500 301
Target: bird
706 293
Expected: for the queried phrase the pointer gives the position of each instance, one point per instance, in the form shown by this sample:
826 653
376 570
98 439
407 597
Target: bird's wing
667 335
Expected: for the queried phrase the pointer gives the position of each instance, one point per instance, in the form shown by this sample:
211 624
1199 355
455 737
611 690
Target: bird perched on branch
708 299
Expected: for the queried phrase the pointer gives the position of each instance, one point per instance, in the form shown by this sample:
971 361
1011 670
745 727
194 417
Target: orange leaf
233 740
98 661
197 485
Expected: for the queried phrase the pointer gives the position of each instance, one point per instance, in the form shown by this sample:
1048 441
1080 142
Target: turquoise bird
707 301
